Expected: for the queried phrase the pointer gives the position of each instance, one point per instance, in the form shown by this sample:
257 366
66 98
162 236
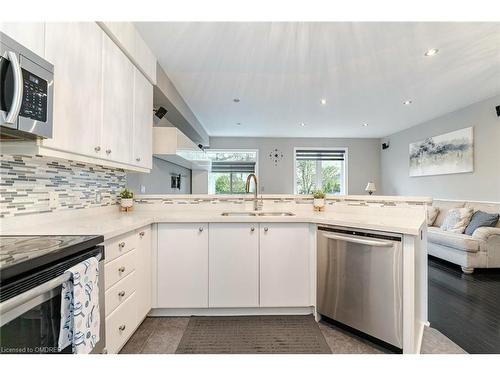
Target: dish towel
80 318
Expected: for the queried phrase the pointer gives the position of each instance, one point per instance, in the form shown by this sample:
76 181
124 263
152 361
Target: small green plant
126 194
318 194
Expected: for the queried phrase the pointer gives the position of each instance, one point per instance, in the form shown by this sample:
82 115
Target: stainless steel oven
30 301
26 92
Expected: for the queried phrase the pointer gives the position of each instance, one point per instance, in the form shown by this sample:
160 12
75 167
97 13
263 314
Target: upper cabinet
118 101
77 112
29 34
125 35
142 141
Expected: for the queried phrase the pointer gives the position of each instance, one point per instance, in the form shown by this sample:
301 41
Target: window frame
344 175
236 150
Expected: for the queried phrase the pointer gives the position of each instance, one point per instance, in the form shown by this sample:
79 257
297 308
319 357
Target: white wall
158 181
483 184
363 164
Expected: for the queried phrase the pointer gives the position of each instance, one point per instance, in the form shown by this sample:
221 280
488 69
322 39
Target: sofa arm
484 233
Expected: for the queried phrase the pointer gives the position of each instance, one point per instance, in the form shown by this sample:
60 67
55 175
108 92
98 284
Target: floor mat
288 334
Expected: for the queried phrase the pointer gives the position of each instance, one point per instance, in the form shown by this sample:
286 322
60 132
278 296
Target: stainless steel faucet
256 205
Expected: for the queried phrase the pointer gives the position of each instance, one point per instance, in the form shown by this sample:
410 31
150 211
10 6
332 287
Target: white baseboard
232 311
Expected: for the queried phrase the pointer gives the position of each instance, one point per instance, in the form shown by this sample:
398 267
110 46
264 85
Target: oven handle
21 299
358 240
18 88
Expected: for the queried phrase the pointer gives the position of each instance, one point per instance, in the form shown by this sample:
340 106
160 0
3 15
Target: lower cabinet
233 265
182 262
285 276
144 269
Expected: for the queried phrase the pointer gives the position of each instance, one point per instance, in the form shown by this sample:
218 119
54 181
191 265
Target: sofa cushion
455 240
491 208
432 213
457 219
444 206
481 219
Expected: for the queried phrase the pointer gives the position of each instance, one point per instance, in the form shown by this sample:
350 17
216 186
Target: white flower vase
319 204
127 204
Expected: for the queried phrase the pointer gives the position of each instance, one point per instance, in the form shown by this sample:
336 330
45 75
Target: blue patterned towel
80 308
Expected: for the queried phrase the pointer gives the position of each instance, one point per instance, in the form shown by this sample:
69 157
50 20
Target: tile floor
162 336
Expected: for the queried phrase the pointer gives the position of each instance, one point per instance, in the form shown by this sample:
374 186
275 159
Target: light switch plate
143 189
53 199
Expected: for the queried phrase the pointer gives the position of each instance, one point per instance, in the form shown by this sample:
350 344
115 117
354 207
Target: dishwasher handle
359 240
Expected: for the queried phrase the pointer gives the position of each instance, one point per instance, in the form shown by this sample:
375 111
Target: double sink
256 213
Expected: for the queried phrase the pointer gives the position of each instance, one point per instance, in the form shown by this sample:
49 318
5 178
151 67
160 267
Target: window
320 169
230 169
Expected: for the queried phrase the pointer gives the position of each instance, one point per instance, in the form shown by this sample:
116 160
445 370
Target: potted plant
319 200
126 200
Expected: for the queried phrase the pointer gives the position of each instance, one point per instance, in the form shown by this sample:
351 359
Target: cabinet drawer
121 324
119 268
119 292
119 246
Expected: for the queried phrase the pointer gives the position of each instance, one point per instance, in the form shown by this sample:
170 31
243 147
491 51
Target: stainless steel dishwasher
359 281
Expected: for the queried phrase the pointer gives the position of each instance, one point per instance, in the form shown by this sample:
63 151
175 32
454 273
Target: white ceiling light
323 101
432 52
365 124
407 102
302 124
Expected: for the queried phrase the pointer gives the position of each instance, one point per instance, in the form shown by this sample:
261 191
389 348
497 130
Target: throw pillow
457 219
481 219
432 213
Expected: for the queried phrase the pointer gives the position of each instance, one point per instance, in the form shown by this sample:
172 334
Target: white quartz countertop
109 222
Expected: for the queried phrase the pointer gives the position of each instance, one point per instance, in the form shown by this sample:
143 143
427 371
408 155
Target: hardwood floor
466 308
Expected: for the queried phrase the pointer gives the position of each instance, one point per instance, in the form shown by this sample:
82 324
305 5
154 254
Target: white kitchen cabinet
143 270
145 58
182 265
75 49
234 265
143 121
30 34
117 102
284 265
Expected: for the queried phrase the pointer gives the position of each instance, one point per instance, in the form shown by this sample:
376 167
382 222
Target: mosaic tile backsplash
36 184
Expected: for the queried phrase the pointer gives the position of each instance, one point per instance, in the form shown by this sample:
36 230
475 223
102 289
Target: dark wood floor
466 308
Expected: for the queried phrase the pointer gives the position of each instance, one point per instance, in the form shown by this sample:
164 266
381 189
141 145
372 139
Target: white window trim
345 175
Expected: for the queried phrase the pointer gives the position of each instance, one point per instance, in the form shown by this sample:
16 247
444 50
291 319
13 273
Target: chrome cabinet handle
200 229
97 148
141 234
252 229
18 88
121 269
121 245
137 159
121 294
122 327
266 229
108 151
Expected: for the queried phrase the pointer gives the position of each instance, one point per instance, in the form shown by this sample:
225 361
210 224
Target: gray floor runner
252 335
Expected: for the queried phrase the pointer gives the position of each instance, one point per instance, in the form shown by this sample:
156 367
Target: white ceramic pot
127 203
319 202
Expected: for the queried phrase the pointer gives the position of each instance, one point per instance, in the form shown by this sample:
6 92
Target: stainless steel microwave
26 92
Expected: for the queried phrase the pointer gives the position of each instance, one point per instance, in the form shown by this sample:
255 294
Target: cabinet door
75 49
284 265
143 271
182 263
117 103
29 34
234 265
143 121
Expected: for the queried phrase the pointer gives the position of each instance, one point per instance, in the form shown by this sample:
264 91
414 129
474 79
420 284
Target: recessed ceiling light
432 52
365 124
407 102
236 100
302 124
323 101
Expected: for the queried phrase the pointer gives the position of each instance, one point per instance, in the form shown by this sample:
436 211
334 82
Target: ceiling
281 71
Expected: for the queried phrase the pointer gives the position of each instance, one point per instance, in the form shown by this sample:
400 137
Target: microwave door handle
15 107
359 240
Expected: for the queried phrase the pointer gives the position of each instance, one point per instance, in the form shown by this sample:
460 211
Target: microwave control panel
35 91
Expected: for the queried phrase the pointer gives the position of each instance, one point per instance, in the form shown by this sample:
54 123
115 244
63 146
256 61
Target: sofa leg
467 270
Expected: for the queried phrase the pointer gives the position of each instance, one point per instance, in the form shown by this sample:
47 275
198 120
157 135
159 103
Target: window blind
233 166
320 155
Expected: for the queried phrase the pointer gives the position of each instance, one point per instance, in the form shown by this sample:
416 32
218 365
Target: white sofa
481 250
